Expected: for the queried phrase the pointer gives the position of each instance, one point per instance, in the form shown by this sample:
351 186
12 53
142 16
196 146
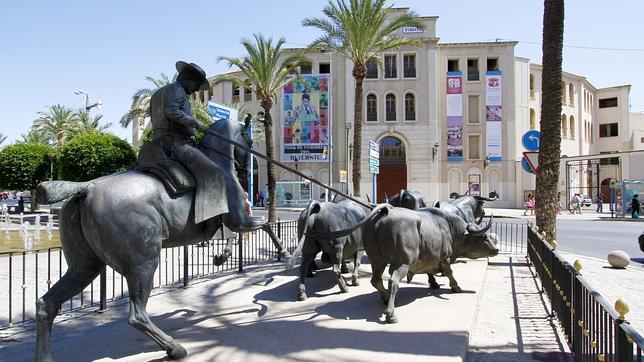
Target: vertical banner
305 116
493 115
454 117
474 184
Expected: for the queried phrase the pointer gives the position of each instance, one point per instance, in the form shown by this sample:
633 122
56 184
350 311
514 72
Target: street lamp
88 106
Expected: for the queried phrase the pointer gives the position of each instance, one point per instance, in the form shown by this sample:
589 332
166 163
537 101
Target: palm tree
266 75
141 100
2 138
57 124
550 152
34 136
359 30
89 124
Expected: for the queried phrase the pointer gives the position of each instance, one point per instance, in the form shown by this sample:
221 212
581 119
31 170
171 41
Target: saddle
174 176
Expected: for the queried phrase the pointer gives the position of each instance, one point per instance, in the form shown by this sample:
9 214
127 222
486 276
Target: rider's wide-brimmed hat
181 66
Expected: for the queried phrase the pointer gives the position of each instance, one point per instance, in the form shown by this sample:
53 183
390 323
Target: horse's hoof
456 289
390 318
219 260
301 297
177 352
355 282
434 285
283 254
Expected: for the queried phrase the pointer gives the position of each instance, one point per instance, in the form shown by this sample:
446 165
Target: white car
586 201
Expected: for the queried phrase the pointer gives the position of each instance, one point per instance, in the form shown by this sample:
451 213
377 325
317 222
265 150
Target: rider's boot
237 219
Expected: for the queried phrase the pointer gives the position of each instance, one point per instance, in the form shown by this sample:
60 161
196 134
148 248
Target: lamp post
435 150
88 106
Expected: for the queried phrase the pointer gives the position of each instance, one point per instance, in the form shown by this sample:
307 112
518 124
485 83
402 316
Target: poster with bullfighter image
305 119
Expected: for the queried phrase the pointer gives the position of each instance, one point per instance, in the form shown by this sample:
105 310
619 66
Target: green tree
266 75
57 124
33 136
141 100
359 30
24 165
91 124
92 155
550 150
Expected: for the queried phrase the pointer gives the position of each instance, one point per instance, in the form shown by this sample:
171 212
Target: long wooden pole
262 156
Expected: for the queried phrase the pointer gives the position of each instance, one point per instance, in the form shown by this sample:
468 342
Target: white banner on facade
493 115
454 117
305 119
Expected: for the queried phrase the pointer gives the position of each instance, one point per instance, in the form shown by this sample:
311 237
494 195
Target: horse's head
224 153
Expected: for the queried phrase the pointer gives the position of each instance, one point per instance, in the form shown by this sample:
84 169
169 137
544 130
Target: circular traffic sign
526 165
531 140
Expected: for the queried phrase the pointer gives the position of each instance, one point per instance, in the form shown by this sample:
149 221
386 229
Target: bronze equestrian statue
102 225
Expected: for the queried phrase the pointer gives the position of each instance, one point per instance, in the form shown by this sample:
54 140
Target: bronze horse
127 230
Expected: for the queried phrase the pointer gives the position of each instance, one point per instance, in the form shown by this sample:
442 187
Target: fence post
279 229
240 240
103 293
185 265
577 322
623 348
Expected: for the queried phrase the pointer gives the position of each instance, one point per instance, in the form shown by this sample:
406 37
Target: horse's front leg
281 251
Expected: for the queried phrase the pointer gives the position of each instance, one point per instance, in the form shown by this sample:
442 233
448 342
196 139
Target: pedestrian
635 207
261 198
600 202
248 206
559 203
529 205
575 204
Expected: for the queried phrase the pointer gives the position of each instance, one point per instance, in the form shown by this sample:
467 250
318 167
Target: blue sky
51 48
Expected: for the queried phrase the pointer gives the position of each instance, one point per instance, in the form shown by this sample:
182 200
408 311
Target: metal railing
511 237
27 275
595 331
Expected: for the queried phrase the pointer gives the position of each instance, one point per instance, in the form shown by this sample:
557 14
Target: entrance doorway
393 168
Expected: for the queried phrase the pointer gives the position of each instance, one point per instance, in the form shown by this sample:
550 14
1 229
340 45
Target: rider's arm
175 97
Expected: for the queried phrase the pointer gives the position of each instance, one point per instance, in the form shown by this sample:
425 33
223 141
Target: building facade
448 117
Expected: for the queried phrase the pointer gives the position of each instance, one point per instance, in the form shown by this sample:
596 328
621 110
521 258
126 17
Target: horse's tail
50 192
312 209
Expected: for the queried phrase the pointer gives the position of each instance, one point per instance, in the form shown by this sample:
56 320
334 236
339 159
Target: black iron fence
595 331
511 236
27 275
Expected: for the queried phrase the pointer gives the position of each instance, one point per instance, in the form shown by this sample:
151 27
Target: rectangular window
608 102
409 66
452 65
473 69
390 66
325 68
306 69
474 147
473 109
492 64
372 69
248 95
608 130
235 93
642 140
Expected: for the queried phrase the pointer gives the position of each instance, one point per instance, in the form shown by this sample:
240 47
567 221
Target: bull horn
478 222
386 198
474 230
483 198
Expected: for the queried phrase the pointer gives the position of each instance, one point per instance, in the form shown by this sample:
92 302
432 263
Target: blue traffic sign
531 140
526 165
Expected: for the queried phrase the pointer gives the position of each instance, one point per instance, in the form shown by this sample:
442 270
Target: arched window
572 127
390 107
564 127
410 107
372 108
563 92
533 119
571 94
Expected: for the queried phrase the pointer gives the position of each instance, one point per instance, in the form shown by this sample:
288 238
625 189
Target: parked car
641 240
586 201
